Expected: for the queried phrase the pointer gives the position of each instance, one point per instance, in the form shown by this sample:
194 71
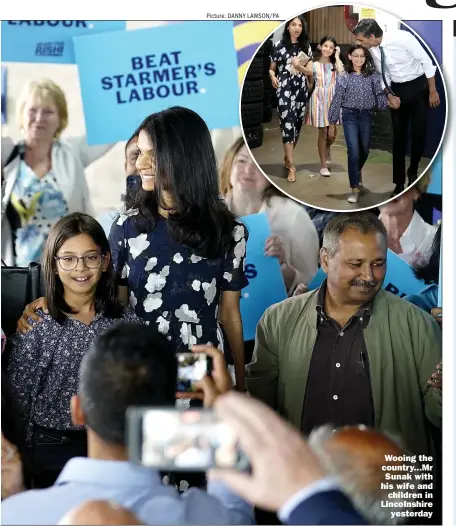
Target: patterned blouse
357 92
173 289
44 367
39 203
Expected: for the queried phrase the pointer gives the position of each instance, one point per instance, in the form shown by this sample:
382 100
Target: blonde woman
44 173
294 240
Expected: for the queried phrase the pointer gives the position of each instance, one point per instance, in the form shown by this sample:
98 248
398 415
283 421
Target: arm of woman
233 281
88 154
230 318
276 57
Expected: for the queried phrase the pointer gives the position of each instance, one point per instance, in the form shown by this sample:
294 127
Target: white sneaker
325 172
354 198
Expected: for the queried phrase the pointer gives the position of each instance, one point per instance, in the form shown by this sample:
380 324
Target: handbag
20 286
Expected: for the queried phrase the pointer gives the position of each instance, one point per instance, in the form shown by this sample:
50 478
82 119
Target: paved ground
325 192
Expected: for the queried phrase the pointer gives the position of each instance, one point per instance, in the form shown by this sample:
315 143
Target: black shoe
411 178
398 190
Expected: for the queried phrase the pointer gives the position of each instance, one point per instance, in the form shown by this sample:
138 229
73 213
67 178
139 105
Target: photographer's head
127 365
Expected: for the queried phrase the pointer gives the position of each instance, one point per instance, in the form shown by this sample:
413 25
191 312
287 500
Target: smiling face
145 164
358 59
81 280
295 28
327 49
245 175
357 269
40 118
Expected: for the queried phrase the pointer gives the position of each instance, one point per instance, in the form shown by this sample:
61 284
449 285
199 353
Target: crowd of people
128 290
318 89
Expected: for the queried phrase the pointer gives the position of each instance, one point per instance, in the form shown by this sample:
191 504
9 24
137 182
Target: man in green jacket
350 353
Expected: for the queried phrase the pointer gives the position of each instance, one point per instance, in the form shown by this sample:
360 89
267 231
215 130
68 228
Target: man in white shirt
409 80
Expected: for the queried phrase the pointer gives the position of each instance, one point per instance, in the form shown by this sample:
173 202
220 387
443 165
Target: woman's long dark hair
186 169
332 58
368 66
303 40
430 273
106 293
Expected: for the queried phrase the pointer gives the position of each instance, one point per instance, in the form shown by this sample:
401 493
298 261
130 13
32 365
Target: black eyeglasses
92 261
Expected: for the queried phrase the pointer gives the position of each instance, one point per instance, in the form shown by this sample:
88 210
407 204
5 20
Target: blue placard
436 176
128 75
4 98
48 40
399 279
266 286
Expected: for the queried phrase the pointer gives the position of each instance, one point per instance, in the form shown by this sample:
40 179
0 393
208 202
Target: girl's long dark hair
368 66
106 293
332 58
186 169
303 40
430 273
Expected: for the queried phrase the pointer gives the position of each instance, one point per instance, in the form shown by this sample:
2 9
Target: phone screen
191 367
193 440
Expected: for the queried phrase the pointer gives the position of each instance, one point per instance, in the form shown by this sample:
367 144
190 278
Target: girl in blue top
358 92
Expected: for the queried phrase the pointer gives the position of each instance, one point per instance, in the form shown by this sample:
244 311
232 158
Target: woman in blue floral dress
179 254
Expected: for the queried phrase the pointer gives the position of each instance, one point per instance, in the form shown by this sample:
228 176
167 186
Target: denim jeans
357 131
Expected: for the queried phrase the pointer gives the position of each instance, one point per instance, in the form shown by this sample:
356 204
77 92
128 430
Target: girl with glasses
44 364
358 93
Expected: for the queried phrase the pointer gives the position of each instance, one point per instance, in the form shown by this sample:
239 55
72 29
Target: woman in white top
294 238
409 236
44 175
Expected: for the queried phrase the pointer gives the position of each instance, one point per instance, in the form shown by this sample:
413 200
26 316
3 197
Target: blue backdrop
48 40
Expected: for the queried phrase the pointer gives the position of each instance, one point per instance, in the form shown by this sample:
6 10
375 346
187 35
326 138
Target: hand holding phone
211 385
169 439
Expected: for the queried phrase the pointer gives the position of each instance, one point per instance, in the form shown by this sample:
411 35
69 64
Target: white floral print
210 290
178 258
138 245
163 325
185 314
153 302
186 335
157 281
151 264
196 285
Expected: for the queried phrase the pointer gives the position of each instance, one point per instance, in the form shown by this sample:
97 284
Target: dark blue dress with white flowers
175 291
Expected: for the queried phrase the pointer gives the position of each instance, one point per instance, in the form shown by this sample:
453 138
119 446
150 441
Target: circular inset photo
344 107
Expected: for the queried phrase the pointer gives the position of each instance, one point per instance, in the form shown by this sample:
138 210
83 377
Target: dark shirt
44 367
338 388
357 92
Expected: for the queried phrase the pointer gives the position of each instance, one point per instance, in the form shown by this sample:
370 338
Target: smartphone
133 182
192 440
191 367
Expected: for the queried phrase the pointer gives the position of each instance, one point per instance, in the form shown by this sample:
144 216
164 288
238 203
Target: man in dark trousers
409 81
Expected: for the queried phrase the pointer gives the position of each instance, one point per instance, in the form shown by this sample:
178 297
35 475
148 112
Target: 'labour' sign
48 40
127 75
